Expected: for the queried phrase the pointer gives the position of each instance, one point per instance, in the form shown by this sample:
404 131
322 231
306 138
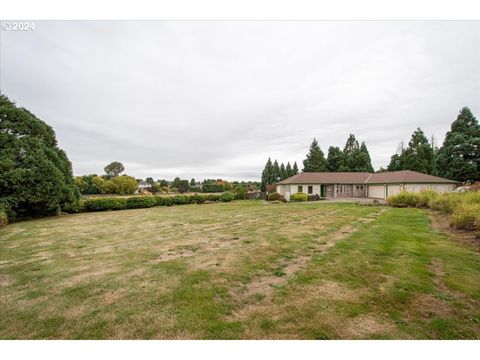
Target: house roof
403 176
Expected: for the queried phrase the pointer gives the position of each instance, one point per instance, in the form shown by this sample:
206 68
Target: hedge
3 218
299 197
226 197
104 204
141 202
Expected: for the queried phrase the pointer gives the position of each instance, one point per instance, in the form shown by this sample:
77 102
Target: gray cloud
215 99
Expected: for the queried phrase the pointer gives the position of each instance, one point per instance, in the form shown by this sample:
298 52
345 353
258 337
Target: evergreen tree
35 174
396 162
175 183
365 163
419 154
334 158
283 172
459 157
267 175
351 153
192 182
315 160
289 170
295 168
276 172
150 180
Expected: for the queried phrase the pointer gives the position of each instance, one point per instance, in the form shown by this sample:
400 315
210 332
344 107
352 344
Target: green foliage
295 168
313 197
419 154
226 197
198 198
136 202
3 217
404 199
122 185
213 197
104 204
168 201
355 157
239 192
334 158
181 199
459 157
288 170
114 169
212 188
274 196
183 186
36 175
159 200
315 159
299 197
466 216
176 183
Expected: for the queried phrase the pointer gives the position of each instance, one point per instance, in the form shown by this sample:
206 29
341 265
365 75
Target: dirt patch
366 326
441 223
429 304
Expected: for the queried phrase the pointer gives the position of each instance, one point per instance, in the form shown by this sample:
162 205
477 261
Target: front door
322 190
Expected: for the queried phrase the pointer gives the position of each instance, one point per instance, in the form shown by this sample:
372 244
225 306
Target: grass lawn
238 270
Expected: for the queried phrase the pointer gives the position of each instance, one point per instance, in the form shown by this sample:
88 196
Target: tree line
274 172
458 158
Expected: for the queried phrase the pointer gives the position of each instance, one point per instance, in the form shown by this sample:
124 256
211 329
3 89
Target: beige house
362 184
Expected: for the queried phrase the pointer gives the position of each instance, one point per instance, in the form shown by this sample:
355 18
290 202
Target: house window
310 189
359 187
300 188
287 188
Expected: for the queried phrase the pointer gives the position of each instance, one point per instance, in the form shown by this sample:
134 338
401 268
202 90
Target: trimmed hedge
181 199
226 197
299 197
168 201
274 196
105 204
138 202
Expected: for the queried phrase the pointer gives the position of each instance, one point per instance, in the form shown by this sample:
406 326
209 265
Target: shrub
404 199
426 197
239 192
168 201
137 202
211 188
274 196
226 197
158 200
181 199
312 197
3 218
198 199
103 204
213 197
447 202
466 216
299 197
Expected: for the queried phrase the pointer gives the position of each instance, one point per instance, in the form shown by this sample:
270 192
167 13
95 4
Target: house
143 185
362 184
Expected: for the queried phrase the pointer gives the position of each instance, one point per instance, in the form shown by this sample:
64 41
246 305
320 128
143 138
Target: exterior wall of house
343 191
359 191
281 189
394 189
441 188
376 191
329 191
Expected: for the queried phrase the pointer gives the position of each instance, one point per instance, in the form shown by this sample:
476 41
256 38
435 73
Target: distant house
143 185
362 184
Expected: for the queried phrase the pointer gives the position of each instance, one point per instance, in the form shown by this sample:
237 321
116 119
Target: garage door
393 190
376 191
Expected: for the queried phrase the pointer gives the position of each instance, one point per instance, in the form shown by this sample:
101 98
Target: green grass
238 270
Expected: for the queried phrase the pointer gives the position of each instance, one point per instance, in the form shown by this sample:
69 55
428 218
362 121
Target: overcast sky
216 99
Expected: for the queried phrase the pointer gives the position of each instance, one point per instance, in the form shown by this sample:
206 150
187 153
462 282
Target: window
359 187
310 189
287 188
300 188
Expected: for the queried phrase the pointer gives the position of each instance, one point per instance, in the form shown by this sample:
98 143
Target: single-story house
362 184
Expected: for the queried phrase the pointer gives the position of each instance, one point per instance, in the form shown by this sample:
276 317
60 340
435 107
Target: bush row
464 207
136 202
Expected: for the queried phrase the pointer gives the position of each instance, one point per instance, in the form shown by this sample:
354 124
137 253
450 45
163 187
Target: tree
175 183
276 172
150 180
267 175
459 156
183 186
364 161
192 182
295 168
163 183
315 160
396 162
288 170
418 156
114 169
122 185
334 158
35 174
351 153
283 172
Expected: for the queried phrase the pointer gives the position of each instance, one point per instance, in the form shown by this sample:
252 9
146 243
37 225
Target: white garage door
393 190
376 191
